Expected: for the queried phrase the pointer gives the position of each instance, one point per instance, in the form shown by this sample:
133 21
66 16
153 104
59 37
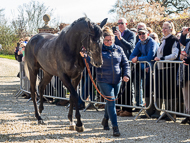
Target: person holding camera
184 41
125 39
185 57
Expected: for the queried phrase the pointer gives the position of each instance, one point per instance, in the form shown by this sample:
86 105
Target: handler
109 77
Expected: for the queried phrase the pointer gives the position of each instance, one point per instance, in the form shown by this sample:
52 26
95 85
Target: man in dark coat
126 39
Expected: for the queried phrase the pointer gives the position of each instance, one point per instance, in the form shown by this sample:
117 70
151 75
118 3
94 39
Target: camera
114 29
188 29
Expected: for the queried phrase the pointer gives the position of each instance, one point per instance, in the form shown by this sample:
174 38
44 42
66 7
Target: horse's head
94 43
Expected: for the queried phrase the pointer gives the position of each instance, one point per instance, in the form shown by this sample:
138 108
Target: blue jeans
110 109
137 80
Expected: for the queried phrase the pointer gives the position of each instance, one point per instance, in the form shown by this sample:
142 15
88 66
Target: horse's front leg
73 101
79 125
70 115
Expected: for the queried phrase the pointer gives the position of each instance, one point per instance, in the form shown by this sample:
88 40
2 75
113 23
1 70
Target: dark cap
144 30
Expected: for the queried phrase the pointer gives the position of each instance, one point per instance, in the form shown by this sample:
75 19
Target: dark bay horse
60 56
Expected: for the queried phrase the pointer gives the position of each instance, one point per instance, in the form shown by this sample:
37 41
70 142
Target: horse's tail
26 70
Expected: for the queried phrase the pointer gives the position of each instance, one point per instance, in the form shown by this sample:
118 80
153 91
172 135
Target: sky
67 11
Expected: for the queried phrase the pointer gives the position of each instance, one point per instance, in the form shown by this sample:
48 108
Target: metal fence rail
130 98
24 82
139 92
168 88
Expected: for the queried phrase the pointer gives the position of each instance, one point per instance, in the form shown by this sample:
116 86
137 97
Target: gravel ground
18 124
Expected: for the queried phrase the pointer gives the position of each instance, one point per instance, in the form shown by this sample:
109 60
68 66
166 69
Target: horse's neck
74 41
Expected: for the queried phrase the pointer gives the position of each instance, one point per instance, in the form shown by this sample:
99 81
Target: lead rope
105 97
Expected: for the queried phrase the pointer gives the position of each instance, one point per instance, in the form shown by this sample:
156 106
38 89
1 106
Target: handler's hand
83 54
125 78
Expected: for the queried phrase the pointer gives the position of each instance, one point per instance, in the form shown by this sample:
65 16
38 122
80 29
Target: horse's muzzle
98 64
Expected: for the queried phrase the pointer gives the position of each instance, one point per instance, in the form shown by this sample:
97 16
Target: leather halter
86 50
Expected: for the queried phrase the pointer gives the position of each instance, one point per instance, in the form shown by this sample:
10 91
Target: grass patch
12 57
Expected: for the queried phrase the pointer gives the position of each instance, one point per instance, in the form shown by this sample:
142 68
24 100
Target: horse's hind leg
33 76
45 80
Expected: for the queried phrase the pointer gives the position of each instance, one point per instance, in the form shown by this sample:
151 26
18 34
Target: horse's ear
103 22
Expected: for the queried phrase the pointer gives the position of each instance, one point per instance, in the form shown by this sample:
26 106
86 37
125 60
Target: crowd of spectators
20 48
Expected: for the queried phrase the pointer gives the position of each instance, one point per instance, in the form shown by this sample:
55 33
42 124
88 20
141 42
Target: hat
23 44
133 29
144 30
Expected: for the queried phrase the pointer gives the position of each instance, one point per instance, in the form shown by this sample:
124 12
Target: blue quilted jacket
113 60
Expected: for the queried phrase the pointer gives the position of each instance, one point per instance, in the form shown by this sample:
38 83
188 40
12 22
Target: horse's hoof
80 129
41 122
72 127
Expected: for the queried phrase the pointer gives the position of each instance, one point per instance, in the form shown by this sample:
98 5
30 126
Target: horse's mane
86 19
80 19
96 28
65 29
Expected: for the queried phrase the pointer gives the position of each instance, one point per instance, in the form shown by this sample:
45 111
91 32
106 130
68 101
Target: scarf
108 47
160 49
145 41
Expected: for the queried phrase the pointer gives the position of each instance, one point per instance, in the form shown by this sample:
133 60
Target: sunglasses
141 34
120 23
105 40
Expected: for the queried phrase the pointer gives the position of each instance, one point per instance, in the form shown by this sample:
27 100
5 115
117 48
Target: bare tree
136 10
173 6
1 15
1 12
30 17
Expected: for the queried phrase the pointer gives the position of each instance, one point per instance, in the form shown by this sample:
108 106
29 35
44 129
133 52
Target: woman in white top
166 73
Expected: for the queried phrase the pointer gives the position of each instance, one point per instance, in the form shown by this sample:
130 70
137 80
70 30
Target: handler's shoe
186 120
105 124
116 132
119 112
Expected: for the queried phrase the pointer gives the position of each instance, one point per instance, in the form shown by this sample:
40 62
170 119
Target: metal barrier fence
170 76
138 95
133 97
54 89
24 82
139 92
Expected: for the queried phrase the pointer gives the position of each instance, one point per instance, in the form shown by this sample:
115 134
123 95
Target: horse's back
40 39
38 46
